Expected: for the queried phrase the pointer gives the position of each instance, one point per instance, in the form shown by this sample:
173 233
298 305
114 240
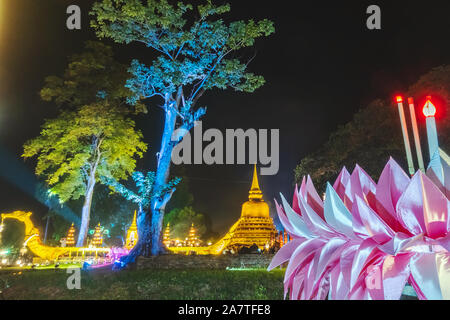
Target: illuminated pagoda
70 240
132 234
255 225
192 240
166 237
97 239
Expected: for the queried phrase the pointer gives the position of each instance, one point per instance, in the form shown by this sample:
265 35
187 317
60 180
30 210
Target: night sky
321 65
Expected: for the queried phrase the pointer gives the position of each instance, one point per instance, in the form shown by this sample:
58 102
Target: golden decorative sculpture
33 241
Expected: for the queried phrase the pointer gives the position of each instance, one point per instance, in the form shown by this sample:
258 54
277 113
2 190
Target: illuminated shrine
166 238
70 240
255 226
132 234
97 240
192 240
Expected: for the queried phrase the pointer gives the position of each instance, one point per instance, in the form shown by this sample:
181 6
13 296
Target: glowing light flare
399 99
429 110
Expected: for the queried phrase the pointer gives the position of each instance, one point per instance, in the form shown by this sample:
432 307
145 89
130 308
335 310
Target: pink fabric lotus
367 239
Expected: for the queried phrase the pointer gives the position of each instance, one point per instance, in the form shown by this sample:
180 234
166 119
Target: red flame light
429 110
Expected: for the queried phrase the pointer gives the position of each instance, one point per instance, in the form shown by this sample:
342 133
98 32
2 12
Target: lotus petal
309 193
443 271
314 222
435 208
398 228
296 221
337 214
410 206
391 185
396 272
341 183
284 254
424 272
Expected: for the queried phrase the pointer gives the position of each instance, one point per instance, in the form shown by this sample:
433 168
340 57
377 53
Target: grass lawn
144 284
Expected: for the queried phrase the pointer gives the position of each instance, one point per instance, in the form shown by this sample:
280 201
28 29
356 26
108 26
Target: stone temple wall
178 261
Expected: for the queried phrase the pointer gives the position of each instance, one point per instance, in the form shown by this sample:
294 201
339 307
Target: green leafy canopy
195 51
70 146
92 136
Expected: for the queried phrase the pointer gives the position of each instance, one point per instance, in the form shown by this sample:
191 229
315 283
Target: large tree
93 135
142 195
374 134
196 51
78 147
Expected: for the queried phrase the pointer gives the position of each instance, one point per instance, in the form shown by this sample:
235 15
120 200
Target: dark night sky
321 65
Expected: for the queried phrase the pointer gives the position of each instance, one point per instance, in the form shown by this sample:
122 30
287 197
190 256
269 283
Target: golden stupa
255 226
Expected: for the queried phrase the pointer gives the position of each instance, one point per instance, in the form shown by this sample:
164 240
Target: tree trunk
46 230
158 204
143 246
149 224
86 211
157 219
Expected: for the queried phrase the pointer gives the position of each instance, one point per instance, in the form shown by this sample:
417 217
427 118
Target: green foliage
91 76
195 50
182 198
91 137
181 220
145 188
58 229
368 140
374 134
94 140
113 212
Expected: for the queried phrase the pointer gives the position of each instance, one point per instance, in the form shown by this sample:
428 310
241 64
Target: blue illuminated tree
145 188
196 51
142 197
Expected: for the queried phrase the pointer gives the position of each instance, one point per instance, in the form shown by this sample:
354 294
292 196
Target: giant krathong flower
367 240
